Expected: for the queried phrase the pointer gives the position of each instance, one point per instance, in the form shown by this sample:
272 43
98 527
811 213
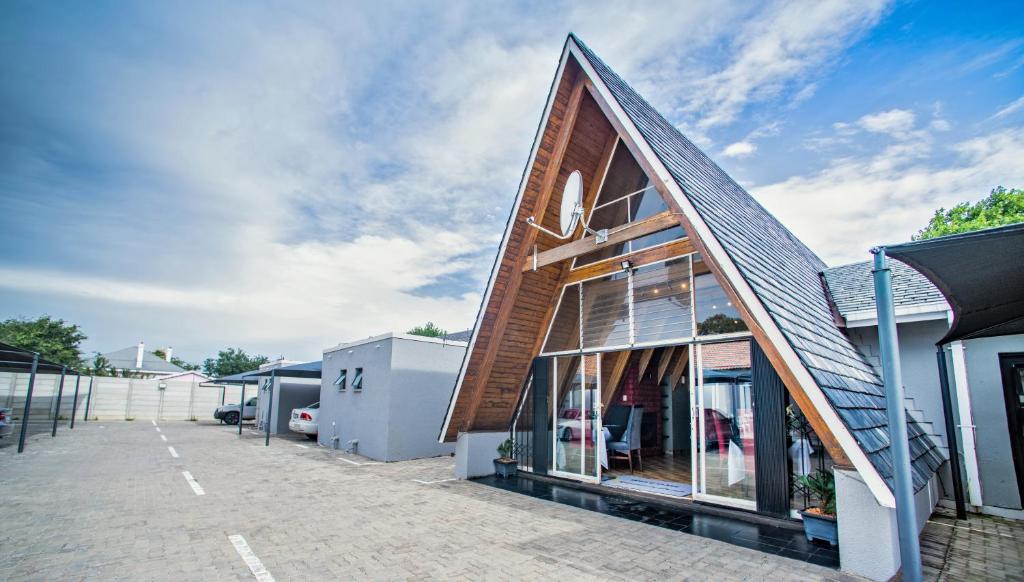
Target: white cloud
859 202
740 149
1010 108
895 122
940 125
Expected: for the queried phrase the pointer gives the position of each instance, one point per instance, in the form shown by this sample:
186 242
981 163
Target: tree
232 361
999 208
176 360
720 323
100 366
428 330
54 339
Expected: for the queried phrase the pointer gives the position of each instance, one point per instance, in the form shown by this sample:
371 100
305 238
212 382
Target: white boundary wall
115 398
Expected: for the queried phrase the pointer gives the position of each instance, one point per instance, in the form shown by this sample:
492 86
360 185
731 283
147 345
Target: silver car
6 422
229 412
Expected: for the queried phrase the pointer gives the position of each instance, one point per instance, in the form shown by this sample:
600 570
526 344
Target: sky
283 176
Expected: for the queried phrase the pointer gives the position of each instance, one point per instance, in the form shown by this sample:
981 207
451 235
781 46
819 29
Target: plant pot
505 468
821 527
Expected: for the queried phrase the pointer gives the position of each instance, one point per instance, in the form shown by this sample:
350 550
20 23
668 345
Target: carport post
270 407
88 399
28 402
74 401
60 392
892 377
241 408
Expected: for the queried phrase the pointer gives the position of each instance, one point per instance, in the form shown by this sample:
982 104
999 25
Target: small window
357 380
340 382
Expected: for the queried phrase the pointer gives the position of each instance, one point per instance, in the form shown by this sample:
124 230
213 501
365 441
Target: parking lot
194 501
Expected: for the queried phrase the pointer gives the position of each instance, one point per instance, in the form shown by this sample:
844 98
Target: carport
286 396
307 370
15 359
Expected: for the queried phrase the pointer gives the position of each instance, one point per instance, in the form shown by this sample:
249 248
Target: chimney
138 355
167 354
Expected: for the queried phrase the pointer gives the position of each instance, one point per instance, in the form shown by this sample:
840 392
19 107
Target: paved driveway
109 501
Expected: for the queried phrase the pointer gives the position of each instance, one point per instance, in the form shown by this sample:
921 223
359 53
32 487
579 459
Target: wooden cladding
633 230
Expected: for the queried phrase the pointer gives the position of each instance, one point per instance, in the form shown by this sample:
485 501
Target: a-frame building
699 294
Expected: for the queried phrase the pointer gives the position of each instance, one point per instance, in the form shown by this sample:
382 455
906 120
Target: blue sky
286 176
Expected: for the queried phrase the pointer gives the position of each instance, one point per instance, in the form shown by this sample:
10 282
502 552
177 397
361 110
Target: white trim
615 113
393 336
905 314
965 420
523 181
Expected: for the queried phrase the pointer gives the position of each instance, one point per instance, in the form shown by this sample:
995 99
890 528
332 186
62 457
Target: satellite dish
572 203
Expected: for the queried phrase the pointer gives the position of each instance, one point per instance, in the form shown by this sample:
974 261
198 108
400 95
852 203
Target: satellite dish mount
571 214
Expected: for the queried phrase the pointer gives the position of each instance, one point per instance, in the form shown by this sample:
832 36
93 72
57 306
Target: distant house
187 376
141 363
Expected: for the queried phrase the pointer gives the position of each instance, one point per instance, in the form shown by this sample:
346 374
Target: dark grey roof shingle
784 274
125 359
852 288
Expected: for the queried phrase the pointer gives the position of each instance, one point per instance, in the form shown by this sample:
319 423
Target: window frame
357 380
341 380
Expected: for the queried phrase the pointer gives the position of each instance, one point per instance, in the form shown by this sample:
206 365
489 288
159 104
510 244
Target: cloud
895 122
858 202
940 125
1010 108
740 149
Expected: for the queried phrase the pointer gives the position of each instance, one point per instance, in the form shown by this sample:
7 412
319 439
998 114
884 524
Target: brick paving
111 503
981 547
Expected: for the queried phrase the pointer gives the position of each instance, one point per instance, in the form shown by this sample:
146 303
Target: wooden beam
620 362
678 368
666 356
675 248
645 359
627 232
550 176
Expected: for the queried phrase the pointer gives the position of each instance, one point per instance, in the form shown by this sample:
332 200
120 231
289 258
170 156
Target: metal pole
954 450
241 408
74 401
28 402
88 400
892 376
270 407
60 392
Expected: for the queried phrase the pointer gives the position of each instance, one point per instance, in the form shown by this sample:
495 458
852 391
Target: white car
303 420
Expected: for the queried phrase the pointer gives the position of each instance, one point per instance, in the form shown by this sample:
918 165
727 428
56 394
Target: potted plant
820 521
505 465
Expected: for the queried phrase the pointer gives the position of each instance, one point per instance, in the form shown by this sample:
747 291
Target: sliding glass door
723 431
578 443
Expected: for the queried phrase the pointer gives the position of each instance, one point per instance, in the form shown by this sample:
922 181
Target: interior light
729 303
655 290
714 307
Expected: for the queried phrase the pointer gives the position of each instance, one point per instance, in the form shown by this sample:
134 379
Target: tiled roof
124 359
784 274
852 287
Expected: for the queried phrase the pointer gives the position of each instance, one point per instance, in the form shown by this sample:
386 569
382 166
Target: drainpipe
966 417
892 376
954 451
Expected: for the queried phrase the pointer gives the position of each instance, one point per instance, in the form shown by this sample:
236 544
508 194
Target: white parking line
250 559
301 446
158 429
432 482
154 422
164 438
173 452
193 483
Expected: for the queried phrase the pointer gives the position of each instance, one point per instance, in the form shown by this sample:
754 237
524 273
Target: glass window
565 326
606 311
715 312
727 421
357 379
340 381
661 301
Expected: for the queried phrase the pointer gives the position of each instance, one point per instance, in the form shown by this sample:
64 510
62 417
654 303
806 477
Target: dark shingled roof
852 287
784 274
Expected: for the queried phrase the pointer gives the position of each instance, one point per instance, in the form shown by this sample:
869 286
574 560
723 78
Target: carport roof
980 273
304 370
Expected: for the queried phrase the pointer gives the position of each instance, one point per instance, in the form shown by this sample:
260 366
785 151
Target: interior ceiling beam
645 359
663 361
619 363
677 370
588 244
676 248
540 207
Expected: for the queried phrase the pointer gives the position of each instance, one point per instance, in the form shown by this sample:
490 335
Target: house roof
124 359
784 275
852 287
460 336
